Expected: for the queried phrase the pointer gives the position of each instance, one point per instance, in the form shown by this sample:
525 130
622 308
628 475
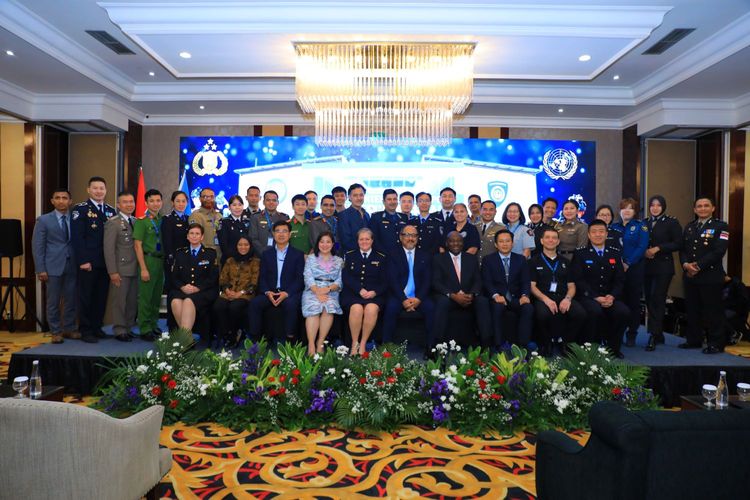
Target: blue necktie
600 253
506 265
195 252
64 221
409 290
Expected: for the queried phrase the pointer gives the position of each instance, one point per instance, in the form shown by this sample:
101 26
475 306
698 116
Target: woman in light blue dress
320 300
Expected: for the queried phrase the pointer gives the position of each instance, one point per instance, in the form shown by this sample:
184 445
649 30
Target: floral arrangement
472 391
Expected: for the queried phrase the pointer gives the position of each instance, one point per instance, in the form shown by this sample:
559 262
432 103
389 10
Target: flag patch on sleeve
724 235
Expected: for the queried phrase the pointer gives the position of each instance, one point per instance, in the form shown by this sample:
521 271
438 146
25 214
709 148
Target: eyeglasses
409 235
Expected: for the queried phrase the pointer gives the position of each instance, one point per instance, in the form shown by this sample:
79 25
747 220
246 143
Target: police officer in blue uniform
614 235
599 277
445 214
386 224
87 236
353 218
430 239
634 245
704 243
232 228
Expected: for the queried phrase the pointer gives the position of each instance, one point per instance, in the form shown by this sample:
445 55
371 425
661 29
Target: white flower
587 344
149 354
165 335
162 365
230 387
202 388
462 361
347 371
442 398
316 357
142 369
534 353
321 394
331 371
582 363
435 372
594 368
602 350
458 348
214 381
453 368
342 350
447 406
540 375
225 354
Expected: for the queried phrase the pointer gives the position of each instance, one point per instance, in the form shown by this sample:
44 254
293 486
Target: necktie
364 255
455 266
195 252
600 253
484 228
506 265
130 221
447 214
64 221
101 208
409 290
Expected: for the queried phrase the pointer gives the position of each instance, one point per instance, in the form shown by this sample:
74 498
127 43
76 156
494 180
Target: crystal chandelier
384 93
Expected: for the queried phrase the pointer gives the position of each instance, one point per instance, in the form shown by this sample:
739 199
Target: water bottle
722 391
35 381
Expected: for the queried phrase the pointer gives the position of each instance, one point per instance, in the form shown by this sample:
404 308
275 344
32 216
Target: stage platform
674 372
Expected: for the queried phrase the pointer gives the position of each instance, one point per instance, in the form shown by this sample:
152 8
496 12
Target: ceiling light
384 93
584 57
560 110
151 73
616 77
201 107
186 55
10 53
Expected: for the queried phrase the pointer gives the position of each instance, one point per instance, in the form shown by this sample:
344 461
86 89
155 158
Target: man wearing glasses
327 221
208 217
262 223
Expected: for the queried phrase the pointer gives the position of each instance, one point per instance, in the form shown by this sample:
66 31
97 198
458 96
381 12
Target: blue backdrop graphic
500 169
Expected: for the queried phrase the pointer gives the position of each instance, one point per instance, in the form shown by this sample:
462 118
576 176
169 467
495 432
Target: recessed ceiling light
10 53
584 57
560 110
151 73
186 55
201 106
616 77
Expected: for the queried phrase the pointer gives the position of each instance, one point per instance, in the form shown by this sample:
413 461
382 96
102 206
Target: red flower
496 396
391 380
276 362
272 379
173 403
164 377
616 391
479 362
470 373
282 378
365 355
273 392
376 373
171 384
295 380
482 384
156 391
380 382
500 379
386 354
296 372
362 380
483 396
282 390
398 370
494 369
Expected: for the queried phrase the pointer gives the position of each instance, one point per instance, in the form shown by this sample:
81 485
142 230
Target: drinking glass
743 391
20 384
709 392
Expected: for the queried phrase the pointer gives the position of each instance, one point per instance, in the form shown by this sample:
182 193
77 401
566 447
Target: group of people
562 279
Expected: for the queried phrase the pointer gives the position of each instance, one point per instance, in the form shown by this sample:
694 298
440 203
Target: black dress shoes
712 349
630 340
148 336
689 345
651 346
123 337
100 334
660 338
89 339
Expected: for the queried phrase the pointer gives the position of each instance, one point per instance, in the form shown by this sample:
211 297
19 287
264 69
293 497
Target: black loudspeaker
11 244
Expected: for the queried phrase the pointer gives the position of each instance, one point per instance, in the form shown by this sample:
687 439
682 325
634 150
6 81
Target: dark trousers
632 294
552 326
704 309
290 306
394 307
168 285
656 287
62 288
525 320
604 323
93 287
230 316
481 309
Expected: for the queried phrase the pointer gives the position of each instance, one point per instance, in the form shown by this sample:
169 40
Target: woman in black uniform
232 228
174 228
614 235
195 279
537 225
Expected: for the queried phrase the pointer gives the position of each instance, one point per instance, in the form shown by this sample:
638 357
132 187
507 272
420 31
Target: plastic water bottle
722 391
35 381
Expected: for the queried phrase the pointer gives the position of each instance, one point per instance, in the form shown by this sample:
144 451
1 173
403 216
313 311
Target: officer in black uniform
430 238
704 244
665 238
599 277
87 236
386 225
231 229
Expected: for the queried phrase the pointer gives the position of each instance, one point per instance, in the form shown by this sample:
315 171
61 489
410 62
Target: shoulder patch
76 214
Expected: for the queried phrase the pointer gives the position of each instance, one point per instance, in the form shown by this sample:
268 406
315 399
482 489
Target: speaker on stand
11 246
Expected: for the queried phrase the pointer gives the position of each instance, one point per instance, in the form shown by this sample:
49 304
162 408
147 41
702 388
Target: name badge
270 241
203 263
553 287
216 240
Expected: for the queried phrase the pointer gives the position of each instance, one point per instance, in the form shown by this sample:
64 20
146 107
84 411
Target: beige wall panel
746 225
12 190
90 155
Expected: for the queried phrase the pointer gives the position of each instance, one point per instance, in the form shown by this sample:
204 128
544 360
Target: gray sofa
66 451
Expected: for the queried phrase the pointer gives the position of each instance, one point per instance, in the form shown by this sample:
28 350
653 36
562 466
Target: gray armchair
66 451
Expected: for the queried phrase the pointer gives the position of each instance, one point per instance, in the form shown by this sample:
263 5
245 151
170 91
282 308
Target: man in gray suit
55 265
261 223
122 266
487 228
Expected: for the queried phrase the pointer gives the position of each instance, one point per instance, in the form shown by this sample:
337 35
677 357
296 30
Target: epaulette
82 204
582 248
612 248
319 217
381 254
184 249
349 251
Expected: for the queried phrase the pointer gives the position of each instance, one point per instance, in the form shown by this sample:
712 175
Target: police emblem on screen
498 191
560 163
210 161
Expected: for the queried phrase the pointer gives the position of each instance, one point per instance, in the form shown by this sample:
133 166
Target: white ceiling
526 60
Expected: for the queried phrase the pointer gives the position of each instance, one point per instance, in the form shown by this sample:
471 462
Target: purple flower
322 402
239 401
439 414
132 392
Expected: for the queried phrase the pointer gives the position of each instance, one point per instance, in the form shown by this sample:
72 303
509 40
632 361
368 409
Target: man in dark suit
457 284
507 283
352 219
87 235
386 225
430 228
445 214
280 283
600 277
409 281
55 265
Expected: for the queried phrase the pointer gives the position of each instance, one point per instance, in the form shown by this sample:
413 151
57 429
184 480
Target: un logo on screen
498 191
560 163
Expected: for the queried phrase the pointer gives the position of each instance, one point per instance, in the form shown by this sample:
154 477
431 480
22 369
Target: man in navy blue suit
352 219
507 282
280 283
386 225
445 214
409 282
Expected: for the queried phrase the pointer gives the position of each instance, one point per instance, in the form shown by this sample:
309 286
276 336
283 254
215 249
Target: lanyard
553 269
156 228
514 231
268 219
